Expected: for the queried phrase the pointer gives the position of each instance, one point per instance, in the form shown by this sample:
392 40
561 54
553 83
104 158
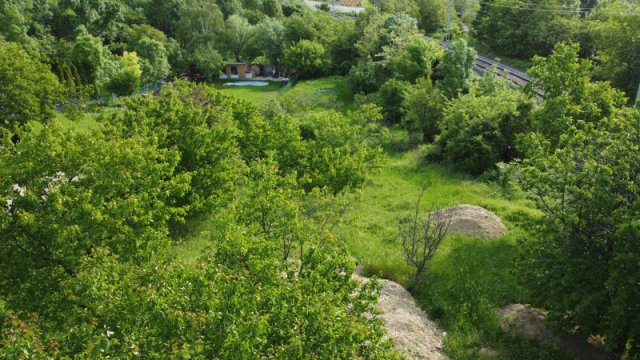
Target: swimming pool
247 83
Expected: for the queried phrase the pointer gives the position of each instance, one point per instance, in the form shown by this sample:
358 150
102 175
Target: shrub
390 98
423 107
479 131
307 58
365 77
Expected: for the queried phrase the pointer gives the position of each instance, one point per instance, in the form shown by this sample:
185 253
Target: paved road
339 8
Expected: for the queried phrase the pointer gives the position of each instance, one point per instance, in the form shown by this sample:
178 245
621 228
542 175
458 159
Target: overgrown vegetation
204 222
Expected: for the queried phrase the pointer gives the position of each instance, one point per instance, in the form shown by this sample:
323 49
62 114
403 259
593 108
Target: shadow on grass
469 281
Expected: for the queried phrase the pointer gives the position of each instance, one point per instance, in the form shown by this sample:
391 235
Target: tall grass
468 280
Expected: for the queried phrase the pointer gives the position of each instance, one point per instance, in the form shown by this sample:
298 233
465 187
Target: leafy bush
423 107
307 58
390 98
365 77
479 131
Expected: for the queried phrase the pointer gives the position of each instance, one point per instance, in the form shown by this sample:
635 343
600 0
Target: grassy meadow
468 279
257 95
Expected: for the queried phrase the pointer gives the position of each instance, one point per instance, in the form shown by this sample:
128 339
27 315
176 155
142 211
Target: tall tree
456 69
307 58
615 28
583 265
267 39
28 89
67 194
236 33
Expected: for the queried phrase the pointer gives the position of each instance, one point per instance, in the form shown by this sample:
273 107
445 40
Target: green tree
237 31
127 80
456 69
339 153
208 61
192 120
365 76
151 45
236 300
524 31
199 23
423 106
479 130
94 62
67 194
272 8
570 95
100 18
163 14
578 167
390 97
614 27
307 58
586 253
267 39
415 61
382 30
28 89
432 15
13 22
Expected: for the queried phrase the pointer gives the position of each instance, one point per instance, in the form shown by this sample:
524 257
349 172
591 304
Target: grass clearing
392 194
468 279
257 95
86 122
326 93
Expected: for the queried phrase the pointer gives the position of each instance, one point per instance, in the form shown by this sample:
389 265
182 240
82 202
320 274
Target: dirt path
407 325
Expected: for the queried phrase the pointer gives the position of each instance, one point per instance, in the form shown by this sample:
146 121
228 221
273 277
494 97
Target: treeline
114 46
607 32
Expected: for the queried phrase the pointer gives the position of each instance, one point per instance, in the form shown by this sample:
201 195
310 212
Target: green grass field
393 193
256 95
326 93
468 279
86 122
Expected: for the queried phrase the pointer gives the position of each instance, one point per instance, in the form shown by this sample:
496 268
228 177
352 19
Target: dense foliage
583 265
606 30
88 247
28 89
91 221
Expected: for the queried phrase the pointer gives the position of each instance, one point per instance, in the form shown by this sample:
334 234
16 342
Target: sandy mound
407 325
530 322
475 221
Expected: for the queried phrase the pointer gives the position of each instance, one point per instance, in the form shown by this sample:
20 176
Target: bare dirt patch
407 325
530 322
475 221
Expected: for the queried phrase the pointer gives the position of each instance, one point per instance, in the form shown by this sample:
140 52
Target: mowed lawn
257 95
